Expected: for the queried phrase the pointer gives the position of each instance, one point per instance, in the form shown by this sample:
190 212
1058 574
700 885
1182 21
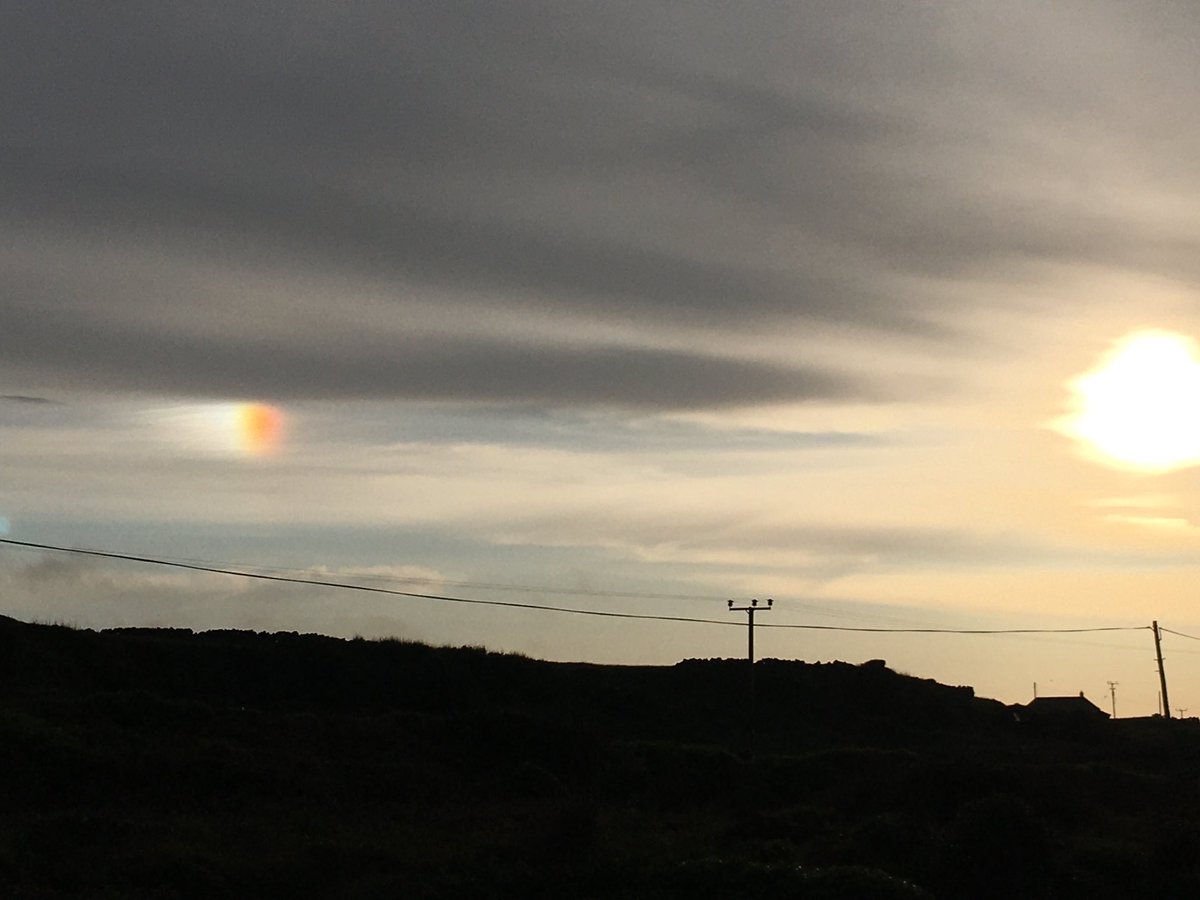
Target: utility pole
1112 689
750 610
1181 710
1162 674
1035 690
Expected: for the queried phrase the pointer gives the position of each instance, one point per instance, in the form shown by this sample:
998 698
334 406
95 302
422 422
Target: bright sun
1140 407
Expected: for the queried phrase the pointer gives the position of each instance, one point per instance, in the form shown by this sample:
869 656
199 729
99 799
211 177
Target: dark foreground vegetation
163 764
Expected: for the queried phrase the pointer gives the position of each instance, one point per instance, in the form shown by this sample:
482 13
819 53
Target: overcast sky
704 299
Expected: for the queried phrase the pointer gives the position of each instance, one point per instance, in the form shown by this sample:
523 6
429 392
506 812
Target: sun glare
1140 407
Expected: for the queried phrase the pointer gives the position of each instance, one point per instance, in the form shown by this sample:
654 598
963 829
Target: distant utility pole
750 611
1181 710
1162 674
1112 689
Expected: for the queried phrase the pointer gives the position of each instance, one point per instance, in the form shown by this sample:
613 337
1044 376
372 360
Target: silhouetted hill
162 763
694 700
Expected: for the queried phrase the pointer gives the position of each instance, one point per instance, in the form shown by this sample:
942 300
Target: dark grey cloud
616 277
134 357
674 166
25 400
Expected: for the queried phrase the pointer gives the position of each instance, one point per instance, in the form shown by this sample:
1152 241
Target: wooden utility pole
1162 675
1112 689
750 610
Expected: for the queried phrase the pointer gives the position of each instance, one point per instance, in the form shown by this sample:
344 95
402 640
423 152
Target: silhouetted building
1059 709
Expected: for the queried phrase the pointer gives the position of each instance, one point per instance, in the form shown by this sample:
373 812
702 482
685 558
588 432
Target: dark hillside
162 763
696 700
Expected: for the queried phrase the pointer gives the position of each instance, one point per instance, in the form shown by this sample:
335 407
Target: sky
634 307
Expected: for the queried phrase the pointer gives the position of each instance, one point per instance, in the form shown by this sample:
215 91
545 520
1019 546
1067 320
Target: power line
1179 633
1092 644
448 582
957 630
342 585
804 605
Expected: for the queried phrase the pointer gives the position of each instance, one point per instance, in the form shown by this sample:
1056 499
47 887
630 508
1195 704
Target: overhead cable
1179 633
342 585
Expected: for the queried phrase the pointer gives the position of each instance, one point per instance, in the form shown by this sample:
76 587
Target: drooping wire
1179 633
803 605
341 585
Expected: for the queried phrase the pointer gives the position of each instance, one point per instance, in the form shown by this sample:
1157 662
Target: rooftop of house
1064 706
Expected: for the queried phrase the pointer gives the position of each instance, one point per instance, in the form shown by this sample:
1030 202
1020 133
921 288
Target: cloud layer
219 200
